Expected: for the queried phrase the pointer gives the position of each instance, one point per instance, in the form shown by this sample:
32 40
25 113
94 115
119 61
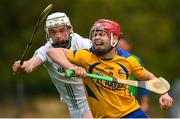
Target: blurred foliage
151 25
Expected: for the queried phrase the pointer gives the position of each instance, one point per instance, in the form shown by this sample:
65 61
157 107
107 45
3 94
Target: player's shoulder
123 53
78 42
77 37
82 51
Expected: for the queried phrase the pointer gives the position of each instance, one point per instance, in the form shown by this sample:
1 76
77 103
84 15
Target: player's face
59 34
100 40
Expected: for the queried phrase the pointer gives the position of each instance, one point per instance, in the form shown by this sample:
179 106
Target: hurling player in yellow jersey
107 99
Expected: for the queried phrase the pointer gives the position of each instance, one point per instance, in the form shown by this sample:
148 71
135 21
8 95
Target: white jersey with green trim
71 90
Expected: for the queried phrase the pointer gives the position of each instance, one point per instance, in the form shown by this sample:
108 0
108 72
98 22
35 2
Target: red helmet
107 25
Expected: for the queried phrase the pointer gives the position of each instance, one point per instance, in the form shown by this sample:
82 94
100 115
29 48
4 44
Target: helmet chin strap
113 45
102 52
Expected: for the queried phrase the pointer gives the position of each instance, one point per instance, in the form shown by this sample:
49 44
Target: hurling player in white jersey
59 34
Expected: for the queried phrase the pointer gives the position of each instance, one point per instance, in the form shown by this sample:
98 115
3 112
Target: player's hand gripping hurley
40 20
158 85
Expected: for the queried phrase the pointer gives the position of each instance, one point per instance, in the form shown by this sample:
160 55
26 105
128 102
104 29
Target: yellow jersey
105 98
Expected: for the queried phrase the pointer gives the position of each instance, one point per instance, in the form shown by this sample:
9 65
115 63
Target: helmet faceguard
55 20
60 44
111 28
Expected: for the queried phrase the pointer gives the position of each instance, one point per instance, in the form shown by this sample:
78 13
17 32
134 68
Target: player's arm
138 71
60 57
27 66
147 76
165 100
142 74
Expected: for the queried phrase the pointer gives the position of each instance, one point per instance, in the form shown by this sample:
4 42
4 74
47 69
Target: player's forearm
58 56
30 65
148 76
34 62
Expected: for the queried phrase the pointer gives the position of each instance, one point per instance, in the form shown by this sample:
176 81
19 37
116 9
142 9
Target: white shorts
78 113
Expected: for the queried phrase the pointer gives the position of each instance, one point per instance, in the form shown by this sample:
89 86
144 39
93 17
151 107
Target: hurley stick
40 20
157 85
